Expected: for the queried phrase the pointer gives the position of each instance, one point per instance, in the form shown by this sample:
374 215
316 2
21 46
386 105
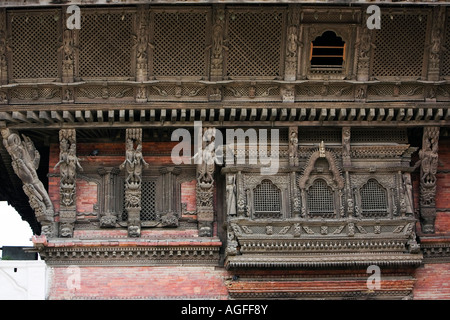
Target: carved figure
25 160
293 147
231 195
408 193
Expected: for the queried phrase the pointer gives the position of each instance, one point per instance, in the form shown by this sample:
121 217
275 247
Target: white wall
22 280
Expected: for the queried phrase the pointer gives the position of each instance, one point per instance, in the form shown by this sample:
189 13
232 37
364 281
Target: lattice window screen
34 43
373 199
148 202
267 200
445 65
179 44
106 44
399 45
320 198
255 40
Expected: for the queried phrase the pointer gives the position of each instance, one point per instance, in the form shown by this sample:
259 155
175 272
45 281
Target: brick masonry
178 282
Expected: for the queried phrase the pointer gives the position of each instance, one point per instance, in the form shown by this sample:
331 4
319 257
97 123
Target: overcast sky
13 230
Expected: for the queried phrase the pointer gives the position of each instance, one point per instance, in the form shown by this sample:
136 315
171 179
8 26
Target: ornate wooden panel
400 44
34 44
105 44
255 43
179 39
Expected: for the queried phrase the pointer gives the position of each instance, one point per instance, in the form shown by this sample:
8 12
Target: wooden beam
428 114
57 116
409 114
67 116
122 116
20 116
419 114
371 114
232 114
100 115
183 115
173 116
243 115
222 114
32 115
439 114
142 115
152 115
381 114
283 114
111 116
131 115
212 115
361 114
202 114
302 115
390 115
253 114
292 114
342 114
273 114
352 115
6 116
45 116
88 116
312 114
163 115
400 114
332 115
323 114
79 116
264 114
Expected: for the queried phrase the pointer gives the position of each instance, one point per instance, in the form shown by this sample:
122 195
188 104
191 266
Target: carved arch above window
337 179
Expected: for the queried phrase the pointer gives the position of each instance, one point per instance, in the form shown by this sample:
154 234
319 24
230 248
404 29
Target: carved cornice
125 252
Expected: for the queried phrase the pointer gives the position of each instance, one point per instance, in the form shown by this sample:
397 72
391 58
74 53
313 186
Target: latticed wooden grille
445 65
179 44
373 199
399 45
320 198
148 201
267 200
105 45
34 44
254 44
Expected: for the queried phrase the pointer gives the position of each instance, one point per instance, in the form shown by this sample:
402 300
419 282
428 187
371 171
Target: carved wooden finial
322 150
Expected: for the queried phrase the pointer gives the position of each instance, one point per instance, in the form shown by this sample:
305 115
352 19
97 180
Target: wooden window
327 51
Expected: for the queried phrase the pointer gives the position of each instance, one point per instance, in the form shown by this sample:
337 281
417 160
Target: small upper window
327 52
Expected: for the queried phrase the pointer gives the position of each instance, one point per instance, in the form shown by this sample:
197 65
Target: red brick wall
188 195
433 282
115 282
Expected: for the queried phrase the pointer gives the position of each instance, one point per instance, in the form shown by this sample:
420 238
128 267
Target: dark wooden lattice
179 44
399 46
255 40
445 65
267 200
373 199
320 198
106 44
34 44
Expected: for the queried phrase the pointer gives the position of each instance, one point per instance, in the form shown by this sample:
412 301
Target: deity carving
25 160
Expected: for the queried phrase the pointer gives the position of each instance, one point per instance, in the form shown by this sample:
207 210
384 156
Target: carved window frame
334 191
280 182
388 183
311 31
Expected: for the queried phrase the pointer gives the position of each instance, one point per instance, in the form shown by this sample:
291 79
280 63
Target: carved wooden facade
351 137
